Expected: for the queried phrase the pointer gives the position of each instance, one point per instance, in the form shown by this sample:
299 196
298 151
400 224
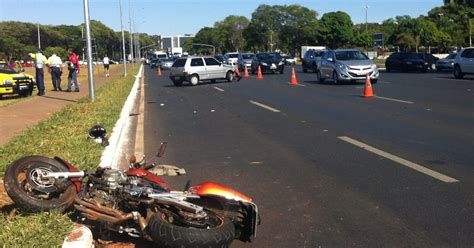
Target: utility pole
131 31
470 33
39 37
124 55
89 51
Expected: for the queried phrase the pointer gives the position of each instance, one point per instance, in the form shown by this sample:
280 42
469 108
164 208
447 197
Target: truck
177 51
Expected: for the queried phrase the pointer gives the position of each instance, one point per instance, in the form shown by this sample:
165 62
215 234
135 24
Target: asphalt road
296 150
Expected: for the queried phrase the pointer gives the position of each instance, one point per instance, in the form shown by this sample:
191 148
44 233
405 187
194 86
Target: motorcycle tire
166 234
16 186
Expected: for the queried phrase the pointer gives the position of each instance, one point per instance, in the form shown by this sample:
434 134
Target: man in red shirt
73 67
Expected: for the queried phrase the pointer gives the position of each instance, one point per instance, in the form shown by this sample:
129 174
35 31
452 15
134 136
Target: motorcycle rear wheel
167 234
19 185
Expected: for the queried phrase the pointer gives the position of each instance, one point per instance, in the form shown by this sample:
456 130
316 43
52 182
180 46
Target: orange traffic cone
293 77
246 73
259 75
368 92
158 72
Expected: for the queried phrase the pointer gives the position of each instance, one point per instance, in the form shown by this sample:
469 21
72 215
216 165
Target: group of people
55 65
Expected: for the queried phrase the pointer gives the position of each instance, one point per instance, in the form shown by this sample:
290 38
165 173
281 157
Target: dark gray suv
311 59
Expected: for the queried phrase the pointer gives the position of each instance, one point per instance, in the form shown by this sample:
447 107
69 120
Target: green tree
230 32
336 29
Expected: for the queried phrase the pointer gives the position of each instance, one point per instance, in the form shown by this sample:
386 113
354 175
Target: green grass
39 230
64 134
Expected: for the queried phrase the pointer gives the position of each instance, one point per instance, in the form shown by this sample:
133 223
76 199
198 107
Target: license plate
363 73
23 87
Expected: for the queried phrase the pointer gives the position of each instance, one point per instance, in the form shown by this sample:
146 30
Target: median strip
265 106
399 160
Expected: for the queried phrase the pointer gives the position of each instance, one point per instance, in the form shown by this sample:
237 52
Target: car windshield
267 56
451 56
413 56
351 55
179 63
6 68
247 56
233 55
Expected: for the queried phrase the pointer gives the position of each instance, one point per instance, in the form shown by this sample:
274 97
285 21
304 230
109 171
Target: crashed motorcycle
135 201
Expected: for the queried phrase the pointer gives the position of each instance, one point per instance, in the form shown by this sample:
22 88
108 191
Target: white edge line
219 89
265 106
302 85
393 99
399 160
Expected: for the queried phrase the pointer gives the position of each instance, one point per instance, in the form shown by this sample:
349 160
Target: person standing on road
73 67
106 65
40 62
55 65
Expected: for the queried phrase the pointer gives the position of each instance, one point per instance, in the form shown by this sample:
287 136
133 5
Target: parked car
347 65
245 59
231 58
165 64
154 63
446 63
289 60
15 81
268 62
464 63
197 69
311 59
219 58
411 62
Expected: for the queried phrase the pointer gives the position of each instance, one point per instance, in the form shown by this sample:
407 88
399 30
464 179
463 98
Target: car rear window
247 56
179 63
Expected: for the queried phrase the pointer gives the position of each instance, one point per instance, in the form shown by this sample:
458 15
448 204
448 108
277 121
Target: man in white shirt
106 65
55 65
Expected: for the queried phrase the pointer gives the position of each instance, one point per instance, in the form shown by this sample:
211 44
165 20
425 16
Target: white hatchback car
196 69
464 63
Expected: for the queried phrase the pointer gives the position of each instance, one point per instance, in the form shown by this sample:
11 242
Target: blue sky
171 17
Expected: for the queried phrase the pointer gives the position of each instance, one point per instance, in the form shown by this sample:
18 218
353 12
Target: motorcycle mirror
162 149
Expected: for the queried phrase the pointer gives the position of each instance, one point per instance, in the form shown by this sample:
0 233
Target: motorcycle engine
103 188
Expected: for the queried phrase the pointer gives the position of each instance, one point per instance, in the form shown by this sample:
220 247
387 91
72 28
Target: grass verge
64 134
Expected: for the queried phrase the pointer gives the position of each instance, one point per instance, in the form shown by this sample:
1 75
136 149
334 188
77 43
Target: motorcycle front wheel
168 232
30 191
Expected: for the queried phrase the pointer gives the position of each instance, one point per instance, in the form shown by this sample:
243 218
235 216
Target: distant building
177 41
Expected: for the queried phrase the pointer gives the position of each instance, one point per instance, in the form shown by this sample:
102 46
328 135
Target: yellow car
15 81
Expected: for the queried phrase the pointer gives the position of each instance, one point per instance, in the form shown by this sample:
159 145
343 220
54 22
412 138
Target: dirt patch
4 199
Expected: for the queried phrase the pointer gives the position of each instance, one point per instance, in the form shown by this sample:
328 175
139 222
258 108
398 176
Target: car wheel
282 70
335 78
457 72
319 77
194 79
229 76
177 82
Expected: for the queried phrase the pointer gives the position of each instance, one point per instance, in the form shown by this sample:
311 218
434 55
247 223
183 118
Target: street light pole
131 32
124 55
366 9
39 36
89 51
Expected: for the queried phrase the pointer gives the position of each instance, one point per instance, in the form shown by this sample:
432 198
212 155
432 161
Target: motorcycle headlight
265 64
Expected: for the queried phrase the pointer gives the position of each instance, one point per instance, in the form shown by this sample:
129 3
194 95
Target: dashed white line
393 99
399 160
265 106
219 89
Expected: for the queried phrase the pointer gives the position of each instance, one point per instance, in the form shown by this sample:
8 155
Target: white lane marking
401 161
265 106
219 89
385 82
393 99
302 85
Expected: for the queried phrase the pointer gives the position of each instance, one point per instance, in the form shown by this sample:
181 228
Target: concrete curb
82 236
121 131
